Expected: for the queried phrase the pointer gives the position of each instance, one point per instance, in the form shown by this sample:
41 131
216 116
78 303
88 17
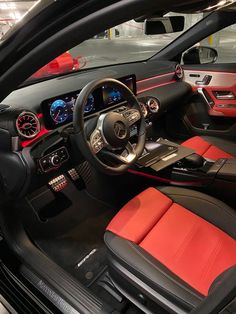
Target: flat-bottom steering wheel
104 141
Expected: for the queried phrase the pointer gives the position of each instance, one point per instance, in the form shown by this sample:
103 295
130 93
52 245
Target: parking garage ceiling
12 11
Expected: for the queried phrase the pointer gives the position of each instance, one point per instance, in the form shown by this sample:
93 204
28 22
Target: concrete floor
227 50
98 52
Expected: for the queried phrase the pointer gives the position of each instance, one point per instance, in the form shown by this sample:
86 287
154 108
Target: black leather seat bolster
221 298
205 206
225 145
151 272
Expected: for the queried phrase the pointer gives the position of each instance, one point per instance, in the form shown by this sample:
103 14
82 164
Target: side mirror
164 25
200 55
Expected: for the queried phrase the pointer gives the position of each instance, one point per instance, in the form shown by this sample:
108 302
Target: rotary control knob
55 161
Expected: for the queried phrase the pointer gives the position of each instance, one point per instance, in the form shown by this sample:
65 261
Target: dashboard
35 119
58 111
45 107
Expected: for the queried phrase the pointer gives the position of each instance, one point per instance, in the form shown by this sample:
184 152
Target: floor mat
74 238
81 251
91 266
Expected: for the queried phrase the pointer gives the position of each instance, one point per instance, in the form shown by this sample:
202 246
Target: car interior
118 181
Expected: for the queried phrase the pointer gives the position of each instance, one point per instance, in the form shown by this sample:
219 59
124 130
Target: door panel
219 91
211 110
193 119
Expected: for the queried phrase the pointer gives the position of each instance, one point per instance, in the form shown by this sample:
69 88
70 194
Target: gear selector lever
194 161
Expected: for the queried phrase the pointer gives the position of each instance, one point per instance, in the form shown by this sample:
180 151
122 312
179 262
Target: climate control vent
27 124
179 72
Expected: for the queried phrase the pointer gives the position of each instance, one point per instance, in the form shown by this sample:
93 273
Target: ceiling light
220 4
7 6
15 15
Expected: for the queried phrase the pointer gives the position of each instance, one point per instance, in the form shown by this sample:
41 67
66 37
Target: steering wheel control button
54 160
58 183
116 129
132 115
121 109
96 141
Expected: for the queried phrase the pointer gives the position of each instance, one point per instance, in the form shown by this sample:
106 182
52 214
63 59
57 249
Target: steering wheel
104 140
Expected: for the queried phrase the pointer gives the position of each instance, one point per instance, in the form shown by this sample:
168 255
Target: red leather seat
170 245
211 147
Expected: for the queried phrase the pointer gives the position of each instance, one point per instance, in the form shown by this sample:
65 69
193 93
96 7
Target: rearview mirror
164 25
200 55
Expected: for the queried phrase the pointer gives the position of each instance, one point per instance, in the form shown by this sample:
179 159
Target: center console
182 164
169 162
224 169
161 154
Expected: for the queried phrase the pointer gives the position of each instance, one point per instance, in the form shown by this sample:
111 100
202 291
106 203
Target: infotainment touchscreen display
112 96
58 111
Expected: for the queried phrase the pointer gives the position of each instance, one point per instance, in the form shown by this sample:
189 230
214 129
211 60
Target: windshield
121 44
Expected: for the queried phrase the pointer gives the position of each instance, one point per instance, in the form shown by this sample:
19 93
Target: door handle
224 95
205 81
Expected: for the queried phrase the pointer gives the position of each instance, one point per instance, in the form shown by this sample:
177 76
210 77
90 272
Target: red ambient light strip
159 179
41 133
139 91
154 77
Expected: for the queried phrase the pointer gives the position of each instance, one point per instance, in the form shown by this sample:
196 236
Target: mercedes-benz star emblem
120 130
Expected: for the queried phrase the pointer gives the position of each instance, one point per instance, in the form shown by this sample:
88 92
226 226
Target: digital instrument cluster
58 111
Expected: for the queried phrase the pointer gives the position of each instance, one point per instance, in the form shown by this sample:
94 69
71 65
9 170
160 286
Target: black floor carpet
80 251
74 240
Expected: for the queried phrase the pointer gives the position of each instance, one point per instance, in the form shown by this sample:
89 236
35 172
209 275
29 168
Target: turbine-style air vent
179 72
27 124
3 108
